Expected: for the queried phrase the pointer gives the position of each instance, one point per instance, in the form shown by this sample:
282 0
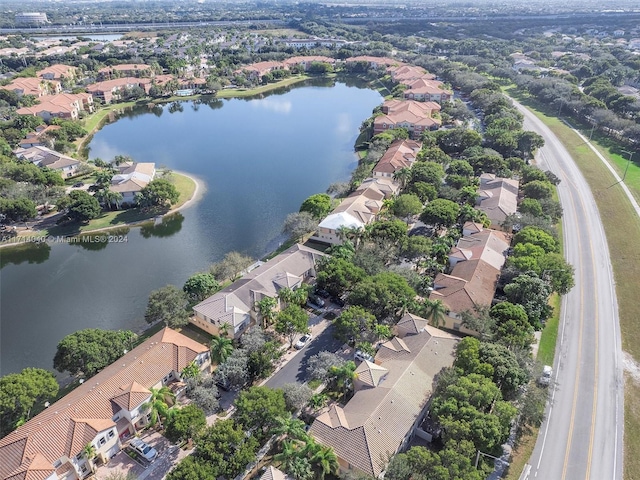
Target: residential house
415 116
401 154
131 179
62 105
478 242
357 210
406 73
426 89
45 157
256 71
125 70
109 89
477 260
497 197
39 137
33 86
103 411
272 473
57 72
307 60
390 400
235 305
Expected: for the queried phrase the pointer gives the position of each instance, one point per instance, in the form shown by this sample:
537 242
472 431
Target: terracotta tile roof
409 72
401 154
133 395
58 71
34 468
27 86
117 83
470 284
374 423
65 427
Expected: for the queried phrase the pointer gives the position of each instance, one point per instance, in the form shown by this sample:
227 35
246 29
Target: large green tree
337 275
318 205
230 267
200 286
20 393
158 193
260 408
291 321
441 213
384 295
532 293
167 305
82 206
354 324
512 327
185 423
88 351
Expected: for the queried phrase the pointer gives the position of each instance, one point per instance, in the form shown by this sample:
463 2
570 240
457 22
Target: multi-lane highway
581 437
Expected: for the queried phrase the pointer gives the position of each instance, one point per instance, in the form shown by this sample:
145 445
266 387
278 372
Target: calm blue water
259 160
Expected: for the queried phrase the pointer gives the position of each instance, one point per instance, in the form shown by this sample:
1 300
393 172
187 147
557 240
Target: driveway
168 455
294 370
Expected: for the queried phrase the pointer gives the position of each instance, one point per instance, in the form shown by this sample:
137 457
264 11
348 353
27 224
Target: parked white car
545 378
303 341
143 449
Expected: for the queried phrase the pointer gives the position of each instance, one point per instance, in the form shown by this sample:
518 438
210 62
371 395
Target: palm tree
286 295
436 312
221 348
224 329
266 309
89 452
290 428
343 376
402 176
323 459
161 400
290 451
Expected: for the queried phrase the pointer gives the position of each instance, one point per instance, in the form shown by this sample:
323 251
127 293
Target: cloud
343 124
276 106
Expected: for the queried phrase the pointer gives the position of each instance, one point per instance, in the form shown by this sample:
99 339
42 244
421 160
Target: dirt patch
631 367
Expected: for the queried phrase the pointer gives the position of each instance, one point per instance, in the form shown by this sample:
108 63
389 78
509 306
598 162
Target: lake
259 159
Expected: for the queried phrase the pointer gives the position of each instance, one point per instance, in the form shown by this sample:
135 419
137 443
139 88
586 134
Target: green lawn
250 92
185 186
547 347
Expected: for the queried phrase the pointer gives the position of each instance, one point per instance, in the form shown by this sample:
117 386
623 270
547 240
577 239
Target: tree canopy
89 351
318 205
20 393
167 305
384 294
158 193
200 286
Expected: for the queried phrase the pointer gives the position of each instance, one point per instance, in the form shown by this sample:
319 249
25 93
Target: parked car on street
143 449
545 378
322 293
303 341
78 185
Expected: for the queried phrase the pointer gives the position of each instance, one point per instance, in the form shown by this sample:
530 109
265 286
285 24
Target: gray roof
233 304
375 422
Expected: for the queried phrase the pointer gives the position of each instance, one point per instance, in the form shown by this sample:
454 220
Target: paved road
295 369
582 436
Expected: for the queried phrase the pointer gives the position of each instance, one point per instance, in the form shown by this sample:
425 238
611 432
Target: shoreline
198 193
